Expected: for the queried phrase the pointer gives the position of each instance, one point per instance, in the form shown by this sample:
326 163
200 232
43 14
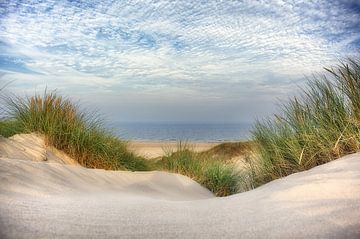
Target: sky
173 61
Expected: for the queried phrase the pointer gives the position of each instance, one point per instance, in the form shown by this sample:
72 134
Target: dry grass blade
325 120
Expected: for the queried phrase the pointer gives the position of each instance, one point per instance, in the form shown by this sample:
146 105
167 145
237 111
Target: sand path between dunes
52 200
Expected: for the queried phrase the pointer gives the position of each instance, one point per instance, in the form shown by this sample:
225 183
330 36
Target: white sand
52 200
32 147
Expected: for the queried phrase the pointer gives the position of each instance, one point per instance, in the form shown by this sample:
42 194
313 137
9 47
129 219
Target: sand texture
53 200
32 147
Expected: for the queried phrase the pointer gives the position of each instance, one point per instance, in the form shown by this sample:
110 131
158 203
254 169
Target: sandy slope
32 147
52 200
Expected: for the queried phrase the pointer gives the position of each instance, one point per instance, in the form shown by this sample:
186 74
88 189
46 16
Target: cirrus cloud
224 50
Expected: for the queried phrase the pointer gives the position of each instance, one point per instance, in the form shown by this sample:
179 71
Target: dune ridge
32 147
53 200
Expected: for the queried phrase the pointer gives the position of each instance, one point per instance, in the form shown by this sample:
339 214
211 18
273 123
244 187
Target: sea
210 132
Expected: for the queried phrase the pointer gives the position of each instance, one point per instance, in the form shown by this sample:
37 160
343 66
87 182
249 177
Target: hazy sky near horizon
190 61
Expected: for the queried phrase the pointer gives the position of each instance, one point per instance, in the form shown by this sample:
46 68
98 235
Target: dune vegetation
320 125
220 177
83 137
229 150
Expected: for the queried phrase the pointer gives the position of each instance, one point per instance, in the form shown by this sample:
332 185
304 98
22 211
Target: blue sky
173 60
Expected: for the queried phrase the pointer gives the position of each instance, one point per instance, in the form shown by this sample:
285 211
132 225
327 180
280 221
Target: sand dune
32 147
27 178
52 200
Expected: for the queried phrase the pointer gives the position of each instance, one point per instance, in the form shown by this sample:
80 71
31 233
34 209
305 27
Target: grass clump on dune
78 134
220 178
230 150
321 125
9 128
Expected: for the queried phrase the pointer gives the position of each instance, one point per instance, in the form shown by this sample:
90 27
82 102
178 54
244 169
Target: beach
158 148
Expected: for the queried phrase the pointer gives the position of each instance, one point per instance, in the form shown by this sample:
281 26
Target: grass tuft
80 135
219 177
222 179
9 128
317 127
229 150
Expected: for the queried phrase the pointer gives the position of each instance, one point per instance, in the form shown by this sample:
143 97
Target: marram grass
79 134
9 128
317 127
219 177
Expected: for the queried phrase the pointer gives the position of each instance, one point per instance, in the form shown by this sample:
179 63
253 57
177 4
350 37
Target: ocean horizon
211 132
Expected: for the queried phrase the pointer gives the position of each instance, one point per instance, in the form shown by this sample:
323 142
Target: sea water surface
183 131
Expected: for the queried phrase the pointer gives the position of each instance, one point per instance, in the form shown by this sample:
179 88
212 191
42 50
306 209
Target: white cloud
212 49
